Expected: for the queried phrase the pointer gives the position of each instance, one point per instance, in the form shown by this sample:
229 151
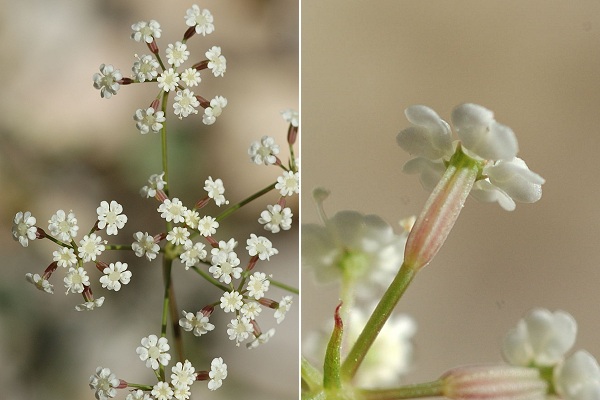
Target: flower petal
482 135
515 178
430 137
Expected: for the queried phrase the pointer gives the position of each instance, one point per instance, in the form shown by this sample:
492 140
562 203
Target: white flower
216 62
274 218
192 218
138 395
224 268
110 217
193 254
145 245
181 392
215 190
231 301
288 183
104 382
202 19
162 391
191 77
115 275
218 372
578 377
261 246
145 31
168 80
183 374
264 151
177 53
284 306
185 103
76 280
389 358
207 226
39 282
239 329
251 310
63 226
179 235
219 254
155 182
65 257
24 229
262 339
505 178
541 338
258 285
149 121
214 110
90 305
291 116
154 351
509 181
107 81
172 210
363 246
198 323
145 68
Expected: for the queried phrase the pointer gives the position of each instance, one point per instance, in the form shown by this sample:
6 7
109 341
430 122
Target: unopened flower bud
441 211
495 382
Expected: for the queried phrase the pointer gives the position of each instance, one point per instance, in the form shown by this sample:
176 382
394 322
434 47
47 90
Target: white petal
578 378
551 334
483 190
515 178
430 137
515 348
482 135
541 337
430 171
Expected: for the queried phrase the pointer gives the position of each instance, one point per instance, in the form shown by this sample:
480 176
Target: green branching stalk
419 390
284 286
242 203
376 321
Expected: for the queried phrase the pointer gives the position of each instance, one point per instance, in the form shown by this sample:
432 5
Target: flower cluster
535 350
541 340
167 75
72 254
503 178
191 235
154 351
354 246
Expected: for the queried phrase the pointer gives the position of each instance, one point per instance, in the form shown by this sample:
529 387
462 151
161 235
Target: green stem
163 138
284 286
210 279
419 390
167 266
312 377
376 321
139 386
177 338
118 247
242 203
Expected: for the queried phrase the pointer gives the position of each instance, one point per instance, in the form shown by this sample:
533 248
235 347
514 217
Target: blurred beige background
536 64
62 146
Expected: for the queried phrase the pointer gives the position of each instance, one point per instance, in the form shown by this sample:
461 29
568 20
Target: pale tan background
536 64
62 146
